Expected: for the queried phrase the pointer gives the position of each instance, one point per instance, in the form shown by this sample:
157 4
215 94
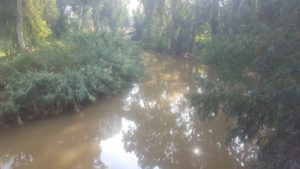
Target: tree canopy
38 20
252 49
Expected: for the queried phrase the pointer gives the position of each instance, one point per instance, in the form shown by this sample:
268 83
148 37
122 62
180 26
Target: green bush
258 84
63 75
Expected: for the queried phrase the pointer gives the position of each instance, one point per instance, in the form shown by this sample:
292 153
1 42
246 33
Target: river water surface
151 125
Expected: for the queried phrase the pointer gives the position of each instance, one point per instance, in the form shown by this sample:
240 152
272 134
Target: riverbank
151 125
63 75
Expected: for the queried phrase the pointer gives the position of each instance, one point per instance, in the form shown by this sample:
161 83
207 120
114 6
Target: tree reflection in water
152 126
159 129
168 134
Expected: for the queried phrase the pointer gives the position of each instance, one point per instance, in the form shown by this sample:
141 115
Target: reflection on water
113 154
14 161
243 152
150 126
169 134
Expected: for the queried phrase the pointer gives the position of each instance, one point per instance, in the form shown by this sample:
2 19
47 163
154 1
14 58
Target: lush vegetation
172 25
26 23
252 49
63 75
60 55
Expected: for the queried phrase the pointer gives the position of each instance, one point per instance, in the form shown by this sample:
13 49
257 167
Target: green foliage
6 18
171 25
42 18
257 79
64 75
39 15
91 15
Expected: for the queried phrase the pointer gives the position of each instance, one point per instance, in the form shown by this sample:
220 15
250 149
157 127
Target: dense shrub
257 83
63 75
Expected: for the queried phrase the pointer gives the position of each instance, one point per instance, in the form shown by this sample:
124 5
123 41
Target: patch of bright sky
132 6
113 153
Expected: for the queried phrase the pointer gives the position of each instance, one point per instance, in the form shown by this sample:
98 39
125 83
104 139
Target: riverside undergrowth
61 76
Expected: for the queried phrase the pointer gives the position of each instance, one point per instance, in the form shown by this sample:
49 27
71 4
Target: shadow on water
150 126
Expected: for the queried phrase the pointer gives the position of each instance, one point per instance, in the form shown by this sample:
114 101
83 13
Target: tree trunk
19 24
82 18
95 18
214 17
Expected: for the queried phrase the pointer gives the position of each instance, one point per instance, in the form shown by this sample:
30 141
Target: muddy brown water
152 125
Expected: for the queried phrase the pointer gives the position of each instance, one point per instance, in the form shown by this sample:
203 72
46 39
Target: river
151 125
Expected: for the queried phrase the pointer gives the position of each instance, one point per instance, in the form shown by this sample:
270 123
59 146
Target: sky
133 5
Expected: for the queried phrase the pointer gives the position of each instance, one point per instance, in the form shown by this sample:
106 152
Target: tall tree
19 24
256 61
214 17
